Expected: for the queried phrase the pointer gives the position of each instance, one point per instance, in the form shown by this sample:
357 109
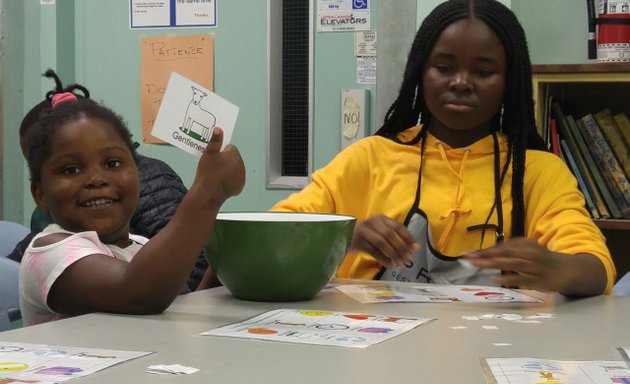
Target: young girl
161 191
458 166
83 173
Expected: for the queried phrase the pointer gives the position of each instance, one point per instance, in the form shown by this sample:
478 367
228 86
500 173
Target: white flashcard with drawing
188 114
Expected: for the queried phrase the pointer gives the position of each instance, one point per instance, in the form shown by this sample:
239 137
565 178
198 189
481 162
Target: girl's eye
71 170
485 73
113 163
441 68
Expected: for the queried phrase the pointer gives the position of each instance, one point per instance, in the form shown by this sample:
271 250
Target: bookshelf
589 88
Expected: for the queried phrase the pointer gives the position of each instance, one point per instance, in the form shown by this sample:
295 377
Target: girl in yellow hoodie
458 171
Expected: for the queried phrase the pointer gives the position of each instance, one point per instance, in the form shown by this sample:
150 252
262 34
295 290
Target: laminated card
189 113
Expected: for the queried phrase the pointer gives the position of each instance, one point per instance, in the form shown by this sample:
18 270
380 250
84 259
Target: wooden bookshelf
590 88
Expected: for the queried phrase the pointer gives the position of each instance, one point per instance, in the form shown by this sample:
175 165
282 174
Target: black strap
614 21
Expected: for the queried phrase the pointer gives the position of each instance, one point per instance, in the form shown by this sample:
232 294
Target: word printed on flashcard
354 330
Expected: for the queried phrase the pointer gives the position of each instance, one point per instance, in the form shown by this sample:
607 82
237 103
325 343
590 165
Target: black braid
517 121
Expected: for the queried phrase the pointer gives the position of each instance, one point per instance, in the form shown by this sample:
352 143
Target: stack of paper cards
189 113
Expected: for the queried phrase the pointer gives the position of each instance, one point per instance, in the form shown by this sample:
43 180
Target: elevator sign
343 15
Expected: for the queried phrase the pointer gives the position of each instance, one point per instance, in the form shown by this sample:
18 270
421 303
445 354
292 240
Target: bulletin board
191 56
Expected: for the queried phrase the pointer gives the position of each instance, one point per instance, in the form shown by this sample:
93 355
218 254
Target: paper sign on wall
353 113
189 113
191 56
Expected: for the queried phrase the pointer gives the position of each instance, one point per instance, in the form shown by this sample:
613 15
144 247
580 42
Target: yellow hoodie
377 175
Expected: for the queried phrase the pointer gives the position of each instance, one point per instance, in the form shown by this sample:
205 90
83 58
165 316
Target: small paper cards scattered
42 363
531 370
432 293
188 114
170 369
343 329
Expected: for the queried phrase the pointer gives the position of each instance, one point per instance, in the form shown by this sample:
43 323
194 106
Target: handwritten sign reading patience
191 56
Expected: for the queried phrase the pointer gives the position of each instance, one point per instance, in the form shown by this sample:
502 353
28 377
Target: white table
584 329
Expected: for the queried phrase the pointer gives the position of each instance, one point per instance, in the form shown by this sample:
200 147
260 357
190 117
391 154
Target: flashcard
188 114
539 371
342 329
432 293
42 363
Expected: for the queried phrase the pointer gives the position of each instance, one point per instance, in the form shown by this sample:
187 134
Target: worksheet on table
43 363
432 293
528 370
342 329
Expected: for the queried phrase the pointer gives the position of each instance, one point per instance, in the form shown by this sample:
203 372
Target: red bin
613 37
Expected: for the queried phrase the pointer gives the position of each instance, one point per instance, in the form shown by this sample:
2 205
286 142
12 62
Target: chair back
9 293
622 288
10 234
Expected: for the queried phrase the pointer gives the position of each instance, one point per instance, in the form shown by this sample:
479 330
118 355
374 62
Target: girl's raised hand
387 240
220 173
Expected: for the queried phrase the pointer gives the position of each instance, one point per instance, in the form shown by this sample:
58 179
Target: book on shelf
576 161
604 199
553 136
602 147
568 155
624 127
604 167
612 133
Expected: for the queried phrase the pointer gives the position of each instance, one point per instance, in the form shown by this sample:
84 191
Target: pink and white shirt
41 266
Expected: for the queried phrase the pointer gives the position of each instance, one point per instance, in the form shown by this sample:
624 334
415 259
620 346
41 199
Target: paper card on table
528 370
341 329
432 293
43 363
188 114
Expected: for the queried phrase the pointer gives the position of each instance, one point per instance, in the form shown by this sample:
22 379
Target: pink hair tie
63 97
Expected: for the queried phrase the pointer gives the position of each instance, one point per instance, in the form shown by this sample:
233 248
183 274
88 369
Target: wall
106 60
89 41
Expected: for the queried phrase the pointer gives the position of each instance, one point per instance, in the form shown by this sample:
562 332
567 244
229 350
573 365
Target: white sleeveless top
41 266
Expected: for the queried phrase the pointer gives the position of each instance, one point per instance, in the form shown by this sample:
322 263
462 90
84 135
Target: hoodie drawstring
453 214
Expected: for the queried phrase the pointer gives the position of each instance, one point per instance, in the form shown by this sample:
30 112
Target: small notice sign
189 113
172 13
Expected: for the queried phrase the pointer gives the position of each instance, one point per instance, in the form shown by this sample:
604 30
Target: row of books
596 147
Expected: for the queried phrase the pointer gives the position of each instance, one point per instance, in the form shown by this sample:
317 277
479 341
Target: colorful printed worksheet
432 293
42 363
541 371
342 329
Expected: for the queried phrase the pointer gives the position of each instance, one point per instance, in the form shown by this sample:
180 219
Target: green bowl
278 256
